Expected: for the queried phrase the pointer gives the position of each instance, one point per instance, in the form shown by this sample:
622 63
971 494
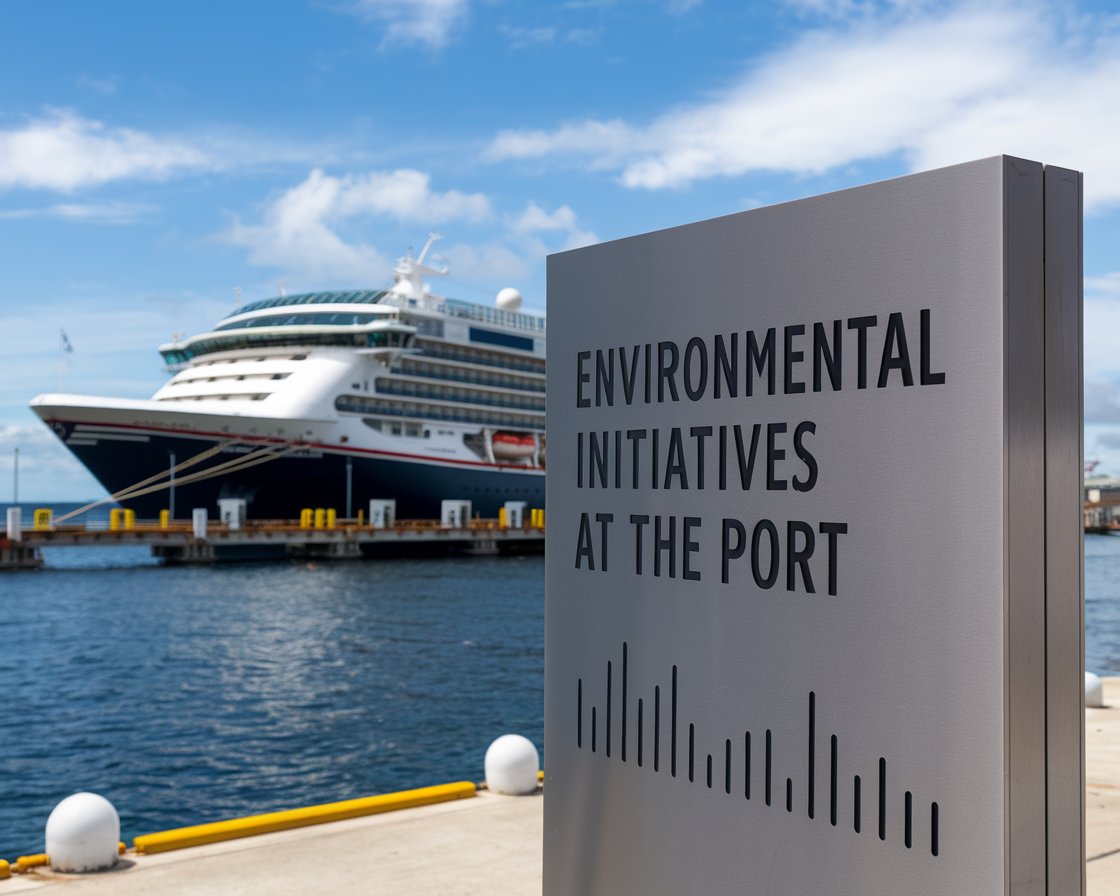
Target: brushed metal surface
924 674
1065 589
1024 438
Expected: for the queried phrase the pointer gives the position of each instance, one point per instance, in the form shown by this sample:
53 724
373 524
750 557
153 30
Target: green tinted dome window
352 297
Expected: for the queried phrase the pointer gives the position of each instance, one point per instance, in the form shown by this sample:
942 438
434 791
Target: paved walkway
486 846
1102 793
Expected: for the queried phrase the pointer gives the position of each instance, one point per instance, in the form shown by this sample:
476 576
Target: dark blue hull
310 477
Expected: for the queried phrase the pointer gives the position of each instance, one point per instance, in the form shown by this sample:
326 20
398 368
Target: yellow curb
214 832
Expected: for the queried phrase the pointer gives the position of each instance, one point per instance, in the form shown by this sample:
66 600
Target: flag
64 341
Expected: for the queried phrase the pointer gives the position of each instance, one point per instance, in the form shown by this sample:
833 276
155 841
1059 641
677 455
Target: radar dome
509 299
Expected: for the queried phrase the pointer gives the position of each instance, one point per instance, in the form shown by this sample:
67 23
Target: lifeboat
509 445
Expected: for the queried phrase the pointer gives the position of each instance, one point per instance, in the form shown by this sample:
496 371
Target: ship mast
408 275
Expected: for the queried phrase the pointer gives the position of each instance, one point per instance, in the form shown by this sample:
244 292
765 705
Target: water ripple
190 694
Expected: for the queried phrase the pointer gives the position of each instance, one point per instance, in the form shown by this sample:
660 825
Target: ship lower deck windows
388 407
397 428
440 392
466 354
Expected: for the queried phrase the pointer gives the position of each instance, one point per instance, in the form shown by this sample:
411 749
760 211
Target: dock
489 845
187 542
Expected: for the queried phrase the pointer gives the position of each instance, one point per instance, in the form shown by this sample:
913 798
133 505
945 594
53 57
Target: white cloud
95 212
1104 287
932 87
487 264
1101 324
301 229
62 151
607 142
47 471
1102 402
104 86
431 22
521 37
536 220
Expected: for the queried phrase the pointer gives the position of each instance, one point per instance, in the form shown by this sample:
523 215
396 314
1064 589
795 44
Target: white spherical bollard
82 833
512 765
1094 690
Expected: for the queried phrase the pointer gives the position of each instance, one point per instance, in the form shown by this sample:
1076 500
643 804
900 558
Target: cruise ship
331 399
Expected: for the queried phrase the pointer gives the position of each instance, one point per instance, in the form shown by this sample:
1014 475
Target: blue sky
157 158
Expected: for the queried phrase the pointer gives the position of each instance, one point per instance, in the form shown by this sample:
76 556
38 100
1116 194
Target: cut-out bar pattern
616 722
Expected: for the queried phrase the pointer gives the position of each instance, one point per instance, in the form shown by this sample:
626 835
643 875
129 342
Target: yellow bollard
305 518
165 519
115 519
42 518
503 523
361 518
320 518
332 518
129 518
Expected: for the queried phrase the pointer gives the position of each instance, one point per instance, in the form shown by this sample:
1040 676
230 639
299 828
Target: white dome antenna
508 299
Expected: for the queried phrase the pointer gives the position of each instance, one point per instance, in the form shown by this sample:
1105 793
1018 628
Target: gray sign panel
813 606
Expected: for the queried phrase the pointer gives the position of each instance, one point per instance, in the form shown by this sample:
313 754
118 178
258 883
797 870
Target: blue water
187 694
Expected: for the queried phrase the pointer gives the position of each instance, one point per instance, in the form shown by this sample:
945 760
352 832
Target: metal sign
813 602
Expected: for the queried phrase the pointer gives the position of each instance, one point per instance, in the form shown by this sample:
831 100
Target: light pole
349 484
171 488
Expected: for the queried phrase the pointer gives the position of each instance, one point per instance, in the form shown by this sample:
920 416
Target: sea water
196 693
190 694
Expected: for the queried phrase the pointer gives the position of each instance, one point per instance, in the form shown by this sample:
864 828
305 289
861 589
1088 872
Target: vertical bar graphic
855 798
882 798
710 760
607 732
767 766
623 755
747 766
673 728
639 732
832 785
579 714
812 748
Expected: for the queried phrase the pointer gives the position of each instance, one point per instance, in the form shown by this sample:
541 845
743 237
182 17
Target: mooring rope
189 462
231 466
138 488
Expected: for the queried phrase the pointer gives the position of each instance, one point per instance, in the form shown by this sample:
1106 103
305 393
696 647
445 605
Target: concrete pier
489 845
258 539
